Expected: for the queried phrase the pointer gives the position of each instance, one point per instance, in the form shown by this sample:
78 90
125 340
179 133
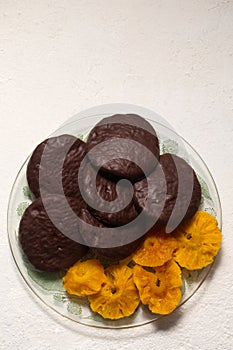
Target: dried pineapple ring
157 249
160 290
199 241
119 296
84 278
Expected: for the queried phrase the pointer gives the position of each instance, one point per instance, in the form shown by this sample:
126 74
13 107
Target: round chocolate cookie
123 145
110 202
44 244
174 195
54 164
93 238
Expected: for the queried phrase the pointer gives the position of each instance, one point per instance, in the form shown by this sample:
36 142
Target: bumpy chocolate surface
54 165
174 193
93 239
113 207
45 246
182 191
126 127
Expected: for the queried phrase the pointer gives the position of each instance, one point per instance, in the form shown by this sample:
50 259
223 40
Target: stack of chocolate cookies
104 194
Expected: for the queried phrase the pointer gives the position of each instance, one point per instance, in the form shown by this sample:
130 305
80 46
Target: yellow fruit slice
119 296
199 240
84 278
159 288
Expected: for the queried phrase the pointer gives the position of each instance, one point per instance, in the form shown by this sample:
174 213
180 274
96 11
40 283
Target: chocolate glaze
174 191
127 127
91 238
174 169
44 174
45 246
120 212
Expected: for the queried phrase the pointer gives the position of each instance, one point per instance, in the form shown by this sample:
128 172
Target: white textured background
175 57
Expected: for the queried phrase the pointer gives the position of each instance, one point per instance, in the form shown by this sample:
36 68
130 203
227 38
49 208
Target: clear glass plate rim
118 326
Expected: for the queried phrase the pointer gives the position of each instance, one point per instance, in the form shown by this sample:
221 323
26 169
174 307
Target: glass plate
49 287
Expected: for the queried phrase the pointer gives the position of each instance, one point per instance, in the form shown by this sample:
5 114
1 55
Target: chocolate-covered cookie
124 145
42 232
110 202
93 238
174 194
54 164
121 252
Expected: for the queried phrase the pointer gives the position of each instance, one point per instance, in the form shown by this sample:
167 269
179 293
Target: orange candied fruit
159 288
157 249
84 278
118 296
199 240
